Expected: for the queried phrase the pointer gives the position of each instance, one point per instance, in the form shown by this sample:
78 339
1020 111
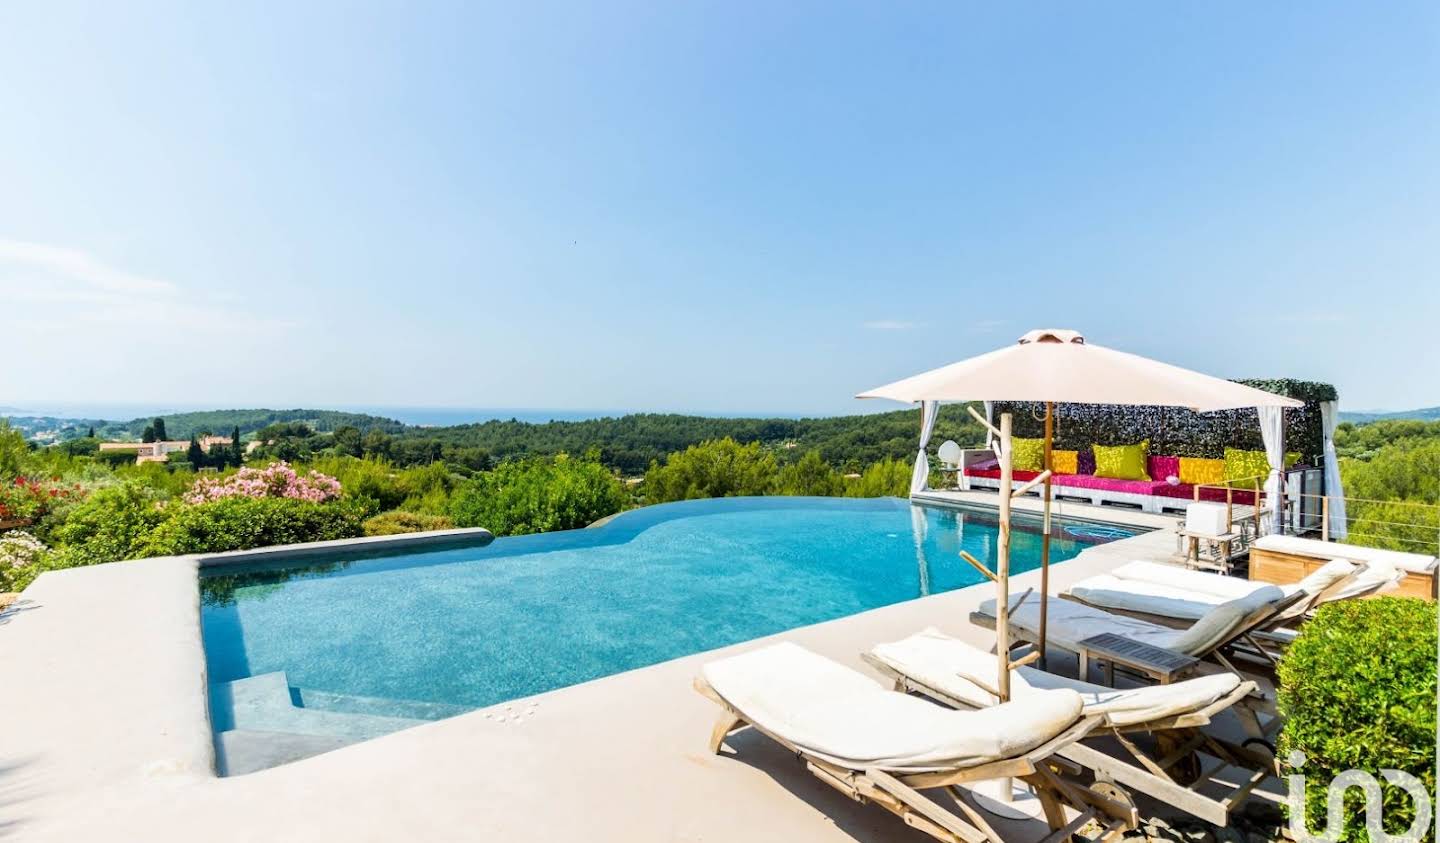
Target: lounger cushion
1413 562
847 718
1071 622
1190 595
1219 624
1109 591
1380 574
943 663
1219 585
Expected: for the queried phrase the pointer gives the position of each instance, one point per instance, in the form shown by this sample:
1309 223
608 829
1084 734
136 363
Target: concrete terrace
107 737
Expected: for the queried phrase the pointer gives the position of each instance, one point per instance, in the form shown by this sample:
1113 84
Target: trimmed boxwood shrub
240 523
1357 690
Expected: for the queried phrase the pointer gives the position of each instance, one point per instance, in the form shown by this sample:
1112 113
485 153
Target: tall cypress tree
91 434
237 454
195 454
159 426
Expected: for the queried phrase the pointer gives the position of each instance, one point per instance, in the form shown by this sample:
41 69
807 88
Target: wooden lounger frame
899 792
1173 774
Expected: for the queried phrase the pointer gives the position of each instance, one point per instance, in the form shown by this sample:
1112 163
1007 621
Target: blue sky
706 206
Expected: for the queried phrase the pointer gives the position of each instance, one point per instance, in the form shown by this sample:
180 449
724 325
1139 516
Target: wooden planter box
1285 566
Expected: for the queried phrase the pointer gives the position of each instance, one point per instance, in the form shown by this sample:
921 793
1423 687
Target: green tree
886 478
237 451
810 475
720 468
13 451
537 495
148 435
195 455
158 426
1393 497
91 434
348 441
377 443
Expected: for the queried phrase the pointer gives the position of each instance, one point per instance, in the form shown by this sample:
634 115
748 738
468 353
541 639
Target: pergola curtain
919 529
920 477
1329 418
1272 433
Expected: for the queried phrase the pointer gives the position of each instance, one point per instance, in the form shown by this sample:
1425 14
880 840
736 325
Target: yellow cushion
1248 467
1028 454
1122 462
1065 462
1243 467
1197 472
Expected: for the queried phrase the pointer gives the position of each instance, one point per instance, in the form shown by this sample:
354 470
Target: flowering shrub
20 557
276 480
27 498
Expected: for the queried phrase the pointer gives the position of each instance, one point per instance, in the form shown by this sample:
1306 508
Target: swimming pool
353 646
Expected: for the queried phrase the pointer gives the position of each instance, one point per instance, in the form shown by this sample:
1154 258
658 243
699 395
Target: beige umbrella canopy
1059 366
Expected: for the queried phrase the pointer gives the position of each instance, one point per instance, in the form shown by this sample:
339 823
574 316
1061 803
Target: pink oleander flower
276 480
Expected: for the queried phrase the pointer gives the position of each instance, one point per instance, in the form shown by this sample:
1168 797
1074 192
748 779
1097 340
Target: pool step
349 704
241 751
266 703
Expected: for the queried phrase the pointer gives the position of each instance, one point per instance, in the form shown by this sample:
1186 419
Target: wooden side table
1224 542
1162 665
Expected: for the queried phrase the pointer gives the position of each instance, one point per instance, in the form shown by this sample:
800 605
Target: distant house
161 451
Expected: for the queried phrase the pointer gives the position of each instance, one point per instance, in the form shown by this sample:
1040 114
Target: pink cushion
1163 467
994 473
1109 484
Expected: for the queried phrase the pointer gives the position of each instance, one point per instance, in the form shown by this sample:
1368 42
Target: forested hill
630 442
222 422
627 443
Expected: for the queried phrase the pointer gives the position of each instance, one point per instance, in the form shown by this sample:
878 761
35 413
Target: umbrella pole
1002 565
1045 536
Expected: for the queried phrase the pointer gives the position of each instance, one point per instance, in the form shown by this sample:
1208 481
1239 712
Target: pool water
405 637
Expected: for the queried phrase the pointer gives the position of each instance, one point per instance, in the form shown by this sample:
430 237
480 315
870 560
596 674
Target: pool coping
430 539
138 759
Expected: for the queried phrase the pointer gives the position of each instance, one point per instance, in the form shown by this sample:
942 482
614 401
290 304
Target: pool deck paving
107 737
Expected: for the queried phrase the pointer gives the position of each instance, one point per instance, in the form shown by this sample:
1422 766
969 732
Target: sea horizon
410 415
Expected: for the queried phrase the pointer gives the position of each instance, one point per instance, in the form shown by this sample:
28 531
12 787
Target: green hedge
241 523
1174 431
1357 690
395 523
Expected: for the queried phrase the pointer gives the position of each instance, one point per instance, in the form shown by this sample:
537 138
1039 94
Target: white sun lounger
960 675
1174 596
1071 623
883 747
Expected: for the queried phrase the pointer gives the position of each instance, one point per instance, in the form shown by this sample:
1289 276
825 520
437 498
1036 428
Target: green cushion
1122 462
1028 454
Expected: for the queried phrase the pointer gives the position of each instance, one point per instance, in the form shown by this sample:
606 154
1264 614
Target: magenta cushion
1163 467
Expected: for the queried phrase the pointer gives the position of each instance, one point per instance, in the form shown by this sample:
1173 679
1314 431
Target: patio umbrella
1058 366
